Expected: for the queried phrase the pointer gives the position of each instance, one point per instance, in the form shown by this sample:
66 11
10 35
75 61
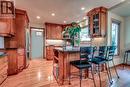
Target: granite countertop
2 54
67 50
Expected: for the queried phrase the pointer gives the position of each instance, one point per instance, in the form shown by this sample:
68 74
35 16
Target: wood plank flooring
39 74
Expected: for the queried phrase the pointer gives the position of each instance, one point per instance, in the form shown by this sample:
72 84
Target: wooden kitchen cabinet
12 61
97 21
3 68
7 28
49 52
53 31
15 60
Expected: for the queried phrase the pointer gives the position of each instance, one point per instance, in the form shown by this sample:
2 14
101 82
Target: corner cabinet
97 22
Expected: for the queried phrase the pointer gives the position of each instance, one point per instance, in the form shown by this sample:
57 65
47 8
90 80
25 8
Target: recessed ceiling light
53 14
83 8
84 18
64 21
122 0
77 21
38 17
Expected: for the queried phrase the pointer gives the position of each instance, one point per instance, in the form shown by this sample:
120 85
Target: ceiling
122 9
65 10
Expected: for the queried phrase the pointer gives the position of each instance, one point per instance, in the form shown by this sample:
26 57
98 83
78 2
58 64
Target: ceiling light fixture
77 21
84 18
64 21
122 0
83 8
38 17
53 14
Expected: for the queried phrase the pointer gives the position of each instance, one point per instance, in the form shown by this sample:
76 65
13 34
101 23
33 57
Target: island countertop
67 50
2 54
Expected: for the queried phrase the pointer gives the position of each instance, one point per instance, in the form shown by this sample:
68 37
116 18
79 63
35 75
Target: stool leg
124 61
108 73
99 75
93 77
80 76
127 58
69 74
115 69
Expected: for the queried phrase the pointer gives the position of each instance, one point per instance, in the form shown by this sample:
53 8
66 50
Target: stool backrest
103 51
86 53
111 50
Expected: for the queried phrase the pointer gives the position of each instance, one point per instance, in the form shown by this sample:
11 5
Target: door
37 43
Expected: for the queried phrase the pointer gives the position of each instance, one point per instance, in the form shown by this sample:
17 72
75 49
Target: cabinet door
4 27
59 32
12 26
48 32
53 31
12 62
20 62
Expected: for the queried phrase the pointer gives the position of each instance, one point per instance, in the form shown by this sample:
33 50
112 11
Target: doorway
37 43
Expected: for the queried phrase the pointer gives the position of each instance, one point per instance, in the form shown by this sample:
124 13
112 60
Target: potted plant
73 33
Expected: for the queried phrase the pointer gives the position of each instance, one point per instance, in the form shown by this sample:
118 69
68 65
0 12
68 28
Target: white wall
37 25
111 16
127 32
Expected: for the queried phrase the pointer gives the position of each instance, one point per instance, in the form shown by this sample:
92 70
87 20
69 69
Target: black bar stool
126 57
101 59
83 64
111 54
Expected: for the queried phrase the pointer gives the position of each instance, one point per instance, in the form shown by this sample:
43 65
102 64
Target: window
38 33
115 35
84 34
1 42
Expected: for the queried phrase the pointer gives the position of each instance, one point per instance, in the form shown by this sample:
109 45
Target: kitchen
30 42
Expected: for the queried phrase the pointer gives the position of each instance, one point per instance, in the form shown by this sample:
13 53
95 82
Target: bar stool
83 63
101 59
111 53
126 57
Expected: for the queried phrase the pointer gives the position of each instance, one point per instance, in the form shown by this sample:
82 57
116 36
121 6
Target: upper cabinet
7 27
20 22
98 21
53 31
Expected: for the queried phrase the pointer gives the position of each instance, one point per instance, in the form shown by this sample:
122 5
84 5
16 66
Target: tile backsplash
94 42
98 41
54 42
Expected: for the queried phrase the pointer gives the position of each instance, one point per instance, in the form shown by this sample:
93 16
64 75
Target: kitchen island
61 63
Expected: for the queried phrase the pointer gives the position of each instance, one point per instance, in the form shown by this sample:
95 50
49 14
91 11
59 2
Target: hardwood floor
39 74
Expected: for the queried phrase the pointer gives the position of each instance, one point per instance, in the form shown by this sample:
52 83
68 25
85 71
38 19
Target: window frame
119 23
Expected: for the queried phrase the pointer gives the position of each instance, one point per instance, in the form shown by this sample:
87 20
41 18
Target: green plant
74 33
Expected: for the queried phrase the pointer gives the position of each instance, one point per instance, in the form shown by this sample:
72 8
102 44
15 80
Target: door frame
31 40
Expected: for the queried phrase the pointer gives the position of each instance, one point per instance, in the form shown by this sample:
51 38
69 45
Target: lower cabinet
49 52
3 68
20 58
15 61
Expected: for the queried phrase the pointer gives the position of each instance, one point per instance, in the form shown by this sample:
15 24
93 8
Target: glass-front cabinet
97 21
